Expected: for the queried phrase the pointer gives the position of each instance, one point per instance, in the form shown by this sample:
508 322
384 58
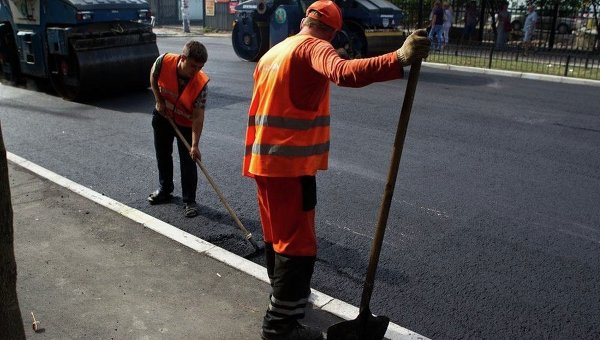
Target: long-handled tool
367 326
247 234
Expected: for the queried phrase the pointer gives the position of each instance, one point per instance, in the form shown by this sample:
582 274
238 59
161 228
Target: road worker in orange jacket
287 141
179 88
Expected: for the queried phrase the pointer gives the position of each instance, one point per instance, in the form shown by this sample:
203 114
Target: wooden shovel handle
232 213
409 95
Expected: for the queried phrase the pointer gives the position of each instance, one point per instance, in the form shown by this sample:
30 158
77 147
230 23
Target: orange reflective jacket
281 139
181 105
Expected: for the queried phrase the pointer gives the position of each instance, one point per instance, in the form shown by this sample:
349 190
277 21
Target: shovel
367 326
247 234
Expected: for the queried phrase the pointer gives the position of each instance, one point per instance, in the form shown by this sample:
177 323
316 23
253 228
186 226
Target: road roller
370 27
82 47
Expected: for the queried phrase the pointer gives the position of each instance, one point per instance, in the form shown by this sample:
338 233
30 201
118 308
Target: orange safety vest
180 105
281 139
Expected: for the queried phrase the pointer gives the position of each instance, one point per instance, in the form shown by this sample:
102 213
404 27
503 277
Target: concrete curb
513 74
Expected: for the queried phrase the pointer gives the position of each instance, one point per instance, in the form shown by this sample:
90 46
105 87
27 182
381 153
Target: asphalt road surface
494 230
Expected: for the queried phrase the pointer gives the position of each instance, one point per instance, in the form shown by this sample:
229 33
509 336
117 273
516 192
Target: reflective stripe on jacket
281 139
181 105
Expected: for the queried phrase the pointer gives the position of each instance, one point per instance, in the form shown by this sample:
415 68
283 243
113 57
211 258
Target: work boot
159 197
297 332
190 209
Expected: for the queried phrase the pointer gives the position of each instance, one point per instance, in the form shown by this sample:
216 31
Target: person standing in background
503 27
529 27
437 26
448 20
185 15
471 20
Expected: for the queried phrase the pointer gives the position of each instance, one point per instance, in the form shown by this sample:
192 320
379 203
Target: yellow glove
415 48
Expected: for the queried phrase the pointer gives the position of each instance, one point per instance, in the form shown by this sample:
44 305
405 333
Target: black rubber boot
290 281
297 332
270 261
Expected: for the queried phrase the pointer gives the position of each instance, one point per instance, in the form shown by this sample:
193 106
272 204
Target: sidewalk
92 268
175 31
87 272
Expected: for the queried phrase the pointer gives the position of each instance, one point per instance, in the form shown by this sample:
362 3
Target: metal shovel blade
365 327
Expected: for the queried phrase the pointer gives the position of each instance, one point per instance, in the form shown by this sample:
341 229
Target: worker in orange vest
287 141
179 86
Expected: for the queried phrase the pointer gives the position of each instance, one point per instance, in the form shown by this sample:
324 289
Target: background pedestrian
529 27
185 16
471 19
448 20
437 26
503 26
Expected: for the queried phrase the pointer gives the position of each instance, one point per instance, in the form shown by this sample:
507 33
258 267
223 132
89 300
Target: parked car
564 25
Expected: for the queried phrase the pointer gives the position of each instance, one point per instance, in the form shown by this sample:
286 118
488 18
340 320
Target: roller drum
384 42
97 65
114 69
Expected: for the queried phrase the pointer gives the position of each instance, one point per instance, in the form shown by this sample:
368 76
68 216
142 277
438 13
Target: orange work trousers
285 223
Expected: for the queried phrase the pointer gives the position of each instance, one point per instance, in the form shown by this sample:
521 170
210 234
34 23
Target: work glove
415 48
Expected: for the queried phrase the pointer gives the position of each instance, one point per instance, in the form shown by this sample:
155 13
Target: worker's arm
361 72
154 74
198 124
323 59
316 58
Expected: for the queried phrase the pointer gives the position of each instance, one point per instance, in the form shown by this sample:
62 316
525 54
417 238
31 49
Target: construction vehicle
81 46
370 26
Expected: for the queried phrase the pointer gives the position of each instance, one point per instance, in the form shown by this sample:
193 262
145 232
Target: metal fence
574 64
571 50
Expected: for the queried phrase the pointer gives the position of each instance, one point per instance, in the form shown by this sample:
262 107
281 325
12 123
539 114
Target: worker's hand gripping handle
415 48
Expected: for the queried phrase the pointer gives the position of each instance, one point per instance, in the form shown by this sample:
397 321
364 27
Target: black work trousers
290 278
163 145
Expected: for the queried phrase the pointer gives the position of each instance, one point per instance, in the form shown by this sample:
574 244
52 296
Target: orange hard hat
327 12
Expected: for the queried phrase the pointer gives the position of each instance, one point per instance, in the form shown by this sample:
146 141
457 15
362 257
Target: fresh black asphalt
494 230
